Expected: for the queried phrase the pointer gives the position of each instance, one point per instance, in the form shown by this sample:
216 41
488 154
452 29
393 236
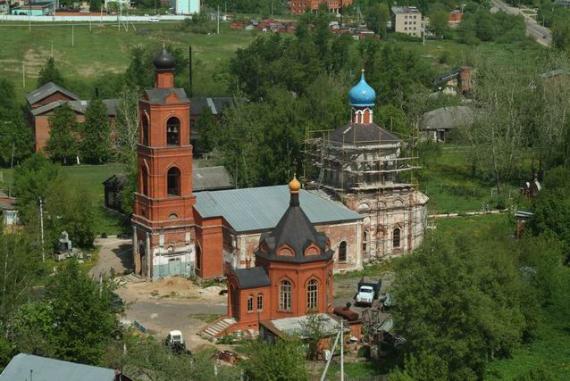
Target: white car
365 295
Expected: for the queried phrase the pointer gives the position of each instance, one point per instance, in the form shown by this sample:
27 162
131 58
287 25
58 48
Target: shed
437 124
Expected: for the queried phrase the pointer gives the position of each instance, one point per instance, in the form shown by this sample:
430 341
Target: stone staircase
217 328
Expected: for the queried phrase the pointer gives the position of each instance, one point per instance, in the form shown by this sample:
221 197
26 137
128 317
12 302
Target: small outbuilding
436 125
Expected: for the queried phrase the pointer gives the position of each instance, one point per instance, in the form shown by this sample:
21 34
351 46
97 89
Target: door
174 266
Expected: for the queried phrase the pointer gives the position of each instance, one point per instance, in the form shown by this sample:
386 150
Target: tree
283 360
50 73
127 127
33 180
83 320
561 32
70 208
15 139
95 133
438 22
73 321
66 206
62 143
147 357
378 17
461 305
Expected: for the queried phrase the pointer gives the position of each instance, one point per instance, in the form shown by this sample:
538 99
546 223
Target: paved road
540 34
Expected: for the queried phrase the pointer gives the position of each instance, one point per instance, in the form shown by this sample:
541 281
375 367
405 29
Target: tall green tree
50 73
95 133
62 144
461 305
33 180
15 138
378 17
73 322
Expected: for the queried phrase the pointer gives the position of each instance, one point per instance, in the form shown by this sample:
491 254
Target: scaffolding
351 170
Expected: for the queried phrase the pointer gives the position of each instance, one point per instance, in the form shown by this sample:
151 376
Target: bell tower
163 223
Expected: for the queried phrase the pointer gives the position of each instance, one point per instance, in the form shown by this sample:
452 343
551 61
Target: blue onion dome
362 95
164 61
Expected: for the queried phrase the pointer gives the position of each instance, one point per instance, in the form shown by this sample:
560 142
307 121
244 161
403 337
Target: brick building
44 102
301 6
293 274
179 232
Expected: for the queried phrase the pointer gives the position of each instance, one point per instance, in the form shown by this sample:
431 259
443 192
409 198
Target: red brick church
177 231
293 274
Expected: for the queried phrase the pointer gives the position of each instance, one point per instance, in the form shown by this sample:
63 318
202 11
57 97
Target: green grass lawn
448 181
549 351
105 50
90 178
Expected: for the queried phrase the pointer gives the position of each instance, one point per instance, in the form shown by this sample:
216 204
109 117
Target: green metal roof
30 367
261 208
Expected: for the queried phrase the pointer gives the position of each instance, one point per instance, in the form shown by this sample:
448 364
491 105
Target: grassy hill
100 49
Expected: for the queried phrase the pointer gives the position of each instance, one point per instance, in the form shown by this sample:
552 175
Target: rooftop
78 106
27 367
159 95
252 277
261 208
46 90
360 133
403 10
447 118
295 326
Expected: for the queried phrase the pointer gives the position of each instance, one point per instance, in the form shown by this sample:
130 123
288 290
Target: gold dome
294 185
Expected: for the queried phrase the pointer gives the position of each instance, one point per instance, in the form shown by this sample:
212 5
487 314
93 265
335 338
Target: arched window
250 304
144 181
313 295
144 131
396 238
285 296
173 132
260 302
342 252
173 186
364 242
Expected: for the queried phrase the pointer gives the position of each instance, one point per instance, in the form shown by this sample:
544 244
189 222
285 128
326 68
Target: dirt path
114 253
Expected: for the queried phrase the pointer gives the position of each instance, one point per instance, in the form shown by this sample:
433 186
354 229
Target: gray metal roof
46 90
158 95
261 208
447 118
211 178
79 106
216 105
252 277
362 134
25 367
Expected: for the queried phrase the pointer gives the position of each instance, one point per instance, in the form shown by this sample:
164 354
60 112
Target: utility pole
341 349
42 228
23 74
218 19
190 69
72 36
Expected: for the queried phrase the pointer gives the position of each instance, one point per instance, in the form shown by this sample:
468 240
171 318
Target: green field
104 49
89 177
448 181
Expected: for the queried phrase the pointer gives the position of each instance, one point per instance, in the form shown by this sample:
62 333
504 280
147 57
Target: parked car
368 290
175 341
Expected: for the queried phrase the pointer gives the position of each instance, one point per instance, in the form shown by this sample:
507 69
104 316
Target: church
177 231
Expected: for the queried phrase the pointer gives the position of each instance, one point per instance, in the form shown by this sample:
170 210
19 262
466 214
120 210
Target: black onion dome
164 61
